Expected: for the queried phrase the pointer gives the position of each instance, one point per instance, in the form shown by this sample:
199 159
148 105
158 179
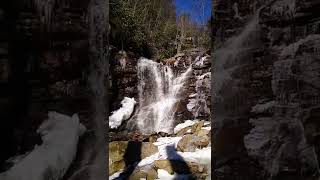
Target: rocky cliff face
195 101
267 89
44 60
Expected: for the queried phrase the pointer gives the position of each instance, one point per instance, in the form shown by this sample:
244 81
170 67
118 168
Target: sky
193 7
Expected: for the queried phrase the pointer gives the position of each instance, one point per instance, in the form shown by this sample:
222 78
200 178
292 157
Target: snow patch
115 175
163 174
123 113
200 62
187 123
50 160
200 156
206 128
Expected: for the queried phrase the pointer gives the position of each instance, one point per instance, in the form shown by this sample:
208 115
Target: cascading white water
159 90
227 55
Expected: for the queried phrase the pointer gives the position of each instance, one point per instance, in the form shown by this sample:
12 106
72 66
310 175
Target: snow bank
187 123
115 175
123 113
162 144
201 62
206 128
200 156
207 123
50 160
163 174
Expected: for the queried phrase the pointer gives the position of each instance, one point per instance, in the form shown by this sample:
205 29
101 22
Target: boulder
153 138
148 149
117 150
152 174
185 144
183 131
189 143
116 166
203 132
197 127
202 141
132 150
137 175
149 174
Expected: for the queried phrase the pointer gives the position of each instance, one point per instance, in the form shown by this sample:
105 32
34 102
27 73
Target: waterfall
159 89
227 55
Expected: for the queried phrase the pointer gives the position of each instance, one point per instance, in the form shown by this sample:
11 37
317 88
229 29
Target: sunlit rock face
266 76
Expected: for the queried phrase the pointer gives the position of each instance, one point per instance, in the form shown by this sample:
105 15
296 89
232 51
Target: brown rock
189 143
185 144
183 131
203 132
118 149
153 138
197 127
171 166
116 166
148 149
150 174
137 175
202 141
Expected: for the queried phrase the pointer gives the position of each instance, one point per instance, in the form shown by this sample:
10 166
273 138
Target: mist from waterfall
159 89
226 56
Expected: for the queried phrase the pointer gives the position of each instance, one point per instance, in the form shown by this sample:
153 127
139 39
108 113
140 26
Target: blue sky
193 7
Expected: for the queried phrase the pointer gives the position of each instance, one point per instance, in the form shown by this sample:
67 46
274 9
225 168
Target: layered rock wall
265 111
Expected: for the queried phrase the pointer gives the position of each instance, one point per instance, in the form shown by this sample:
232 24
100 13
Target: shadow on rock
132 157
178 164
